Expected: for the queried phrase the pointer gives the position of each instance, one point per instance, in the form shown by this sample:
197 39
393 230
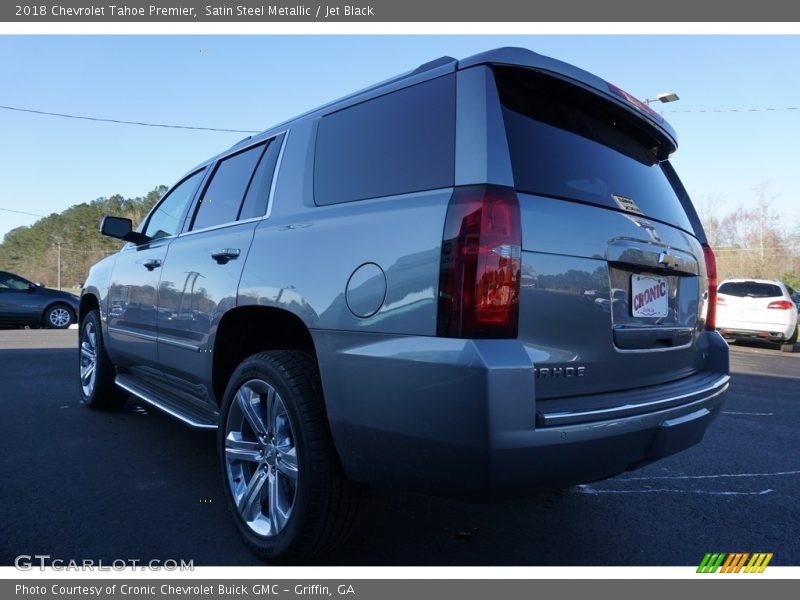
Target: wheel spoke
277 516
250 405
275 409
87 352
86 373
238 449
250 502
287 464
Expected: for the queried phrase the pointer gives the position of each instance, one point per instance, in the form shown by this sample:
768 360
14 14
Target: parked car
758 309
388 290
23 302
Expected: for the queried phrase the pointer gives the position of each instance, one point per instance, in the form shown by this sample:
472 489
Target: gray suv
477 279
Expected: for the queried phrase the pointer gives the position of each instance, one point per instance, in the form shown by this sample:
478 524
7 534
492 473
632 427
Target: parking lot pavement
135 484
18 339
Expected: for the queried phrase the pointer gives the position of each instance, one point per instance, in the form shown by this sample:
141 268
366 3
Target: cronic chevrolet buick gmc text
477 279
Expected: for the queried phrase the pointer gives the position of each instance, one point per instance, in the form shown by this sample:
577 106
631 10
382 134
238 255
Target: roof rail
432 64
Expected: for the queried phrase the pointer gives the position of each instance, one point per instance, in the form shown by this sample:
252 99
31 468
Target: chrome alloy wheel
59 317
88 362
261 457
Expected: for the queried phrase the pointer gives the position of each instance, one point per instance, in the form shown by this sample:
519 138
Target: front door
132 310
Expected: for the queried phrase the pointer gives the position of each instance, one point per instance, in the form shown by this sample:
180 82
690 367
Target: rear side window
394 144
750 289
10 282
224 194
566 143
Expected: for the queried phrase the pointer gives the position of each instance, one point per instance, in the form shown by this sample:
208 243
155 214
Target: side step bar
194 418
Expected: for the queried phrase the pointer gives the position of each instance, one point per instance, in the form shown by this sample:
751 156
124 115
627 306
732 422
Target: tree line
757 243
33 251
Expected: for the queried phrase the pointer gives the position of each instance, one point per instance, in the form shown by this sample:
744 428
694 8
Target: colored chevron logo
734 562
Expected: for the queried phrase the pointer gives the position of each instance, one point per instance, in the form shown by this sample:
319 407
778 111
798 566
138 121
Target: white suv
757 309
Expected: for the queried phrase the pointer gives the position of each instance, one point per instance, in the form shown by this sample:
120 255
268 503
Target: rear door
613 276
203 266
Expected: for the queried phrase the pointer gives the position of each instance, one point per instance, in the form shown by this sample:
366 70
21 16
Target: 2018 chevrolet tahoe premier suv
480 278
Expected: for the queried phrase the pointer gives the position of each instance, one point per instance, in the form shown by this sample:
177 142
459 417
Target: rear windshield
564 143
750 289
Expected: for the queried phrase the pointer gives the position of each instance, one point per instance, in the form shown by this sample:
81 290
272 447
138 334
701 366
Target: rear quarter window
398 143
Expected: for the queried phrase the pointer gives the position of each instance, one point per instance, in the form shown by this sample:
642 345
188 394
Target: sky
252 82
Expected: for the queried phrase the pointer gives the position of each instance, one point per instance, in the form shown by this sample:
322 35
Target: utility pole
59 264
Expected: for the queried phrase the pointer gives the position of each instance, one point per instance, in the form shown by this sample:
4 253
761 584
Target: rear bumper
781 328
458 418
770 334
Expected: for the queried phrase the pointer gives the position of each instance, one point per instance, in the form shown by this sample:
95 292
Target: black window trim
280 137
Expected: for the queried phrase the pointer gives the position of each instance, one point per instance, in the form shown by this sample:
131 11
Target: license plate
649 296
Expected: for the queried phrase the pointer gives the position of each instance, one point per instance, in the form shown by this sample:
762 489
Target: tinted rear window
566 143
751 289
394 144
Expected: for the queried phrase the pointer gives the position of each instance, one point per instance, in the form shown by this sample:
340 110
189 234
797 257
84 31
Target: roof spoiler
522 57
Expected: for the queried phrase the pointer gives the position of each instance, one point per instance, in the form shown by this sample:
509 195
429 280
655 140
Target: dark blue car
23 302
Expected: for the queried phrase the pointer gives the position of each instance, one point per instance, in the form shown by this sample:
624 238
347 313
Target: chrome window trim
275 174
220 226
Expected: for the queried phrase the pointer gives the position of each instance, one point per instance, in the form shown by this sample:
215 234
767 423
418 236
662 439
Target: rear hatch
613 275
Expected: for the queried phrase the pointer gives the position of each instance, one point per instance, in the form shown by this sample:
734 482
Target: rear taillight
711 271
479 273
781 305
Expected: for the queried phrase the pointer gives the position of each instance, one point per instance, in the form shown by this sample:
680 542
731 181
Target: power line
66 116
21 212
729 110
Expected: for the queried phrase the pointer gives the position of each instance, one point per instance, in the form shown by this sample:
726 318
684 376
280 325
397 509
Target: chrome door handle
151 264
224 255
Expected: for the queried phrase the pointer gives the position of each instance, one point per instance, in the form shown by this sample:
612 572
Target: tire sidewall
269 546
99 354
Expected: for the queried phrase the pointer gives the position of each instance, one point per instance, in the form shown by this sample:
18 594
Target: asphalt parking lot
136 484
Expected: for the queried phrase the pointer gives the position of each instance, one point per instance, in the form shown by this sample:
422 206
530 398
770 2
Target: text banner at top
467 11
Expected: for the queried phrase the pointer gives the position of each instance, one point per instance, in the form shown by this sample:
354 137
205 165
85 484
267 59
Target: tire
95 369
58 316
283 482
788 345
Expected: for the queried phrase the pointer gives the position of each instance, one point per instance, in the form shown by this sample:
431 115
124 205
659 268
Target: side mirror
122 229
32 287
